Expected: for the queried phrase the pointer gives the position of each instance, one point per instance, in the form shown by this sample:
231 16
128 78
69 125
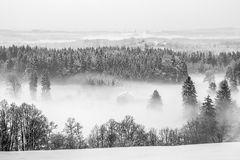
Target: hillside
223 151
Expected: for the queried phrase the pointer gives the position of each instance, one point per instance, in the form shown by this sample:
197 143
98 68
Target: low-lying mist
92 105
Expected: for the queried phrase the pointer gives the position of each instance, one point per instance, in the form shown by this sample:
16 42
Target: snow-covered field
221 151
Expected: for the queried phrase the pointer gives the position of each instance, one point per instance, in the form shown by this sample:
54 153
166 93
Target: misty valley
116 97
85 102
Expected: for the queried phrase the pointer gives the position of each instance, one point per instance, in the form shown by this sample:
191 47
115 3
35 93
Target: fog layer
92 105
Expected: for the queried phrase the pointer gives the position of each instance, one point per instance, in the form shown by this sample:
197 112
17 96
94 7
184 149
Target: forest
149 64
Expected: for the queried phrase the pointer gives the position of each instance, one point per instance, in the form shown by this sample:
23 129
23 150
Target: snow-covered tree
45 85
189 93
207 110
224 108
14 85
189 96
223 99
33 80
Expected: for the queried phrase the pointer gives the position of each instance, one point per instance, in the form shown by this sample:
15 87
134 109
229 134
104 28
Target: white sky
118 15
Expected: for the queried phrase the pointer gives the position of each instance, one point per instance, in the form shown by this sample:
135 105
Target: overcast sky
118 15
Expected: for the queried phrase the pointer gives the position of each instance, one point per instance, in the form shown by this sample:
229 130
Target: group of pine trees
204 61
212 121
122 62
14 85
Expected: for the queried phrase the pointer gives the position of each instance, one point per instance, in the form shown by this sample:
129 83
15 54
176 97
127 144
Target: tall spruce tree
189 96
223 99
224 109
33 80
189 93
14 85
209 126
45 85
207 110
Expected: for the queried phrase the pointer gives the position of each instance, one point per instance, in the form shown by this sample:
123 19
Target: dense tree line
218 118
123 62
205 61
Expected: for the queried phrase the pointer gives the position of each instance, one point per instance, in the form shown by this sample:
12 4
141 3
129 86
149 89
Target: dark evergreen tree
223 99
14 85
189 96
224 108
33 80
209 127
45 85
155 101
207 110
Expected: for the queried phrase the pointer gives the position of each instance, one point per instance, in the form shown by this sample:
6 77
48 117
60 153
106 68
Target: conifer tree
45 85
209 126
189 96
223 98
224 108
14 85
155 101
207 110
33 84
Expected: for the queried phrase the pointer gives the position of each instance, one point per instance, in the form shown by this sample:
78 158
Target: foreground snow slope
222 151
